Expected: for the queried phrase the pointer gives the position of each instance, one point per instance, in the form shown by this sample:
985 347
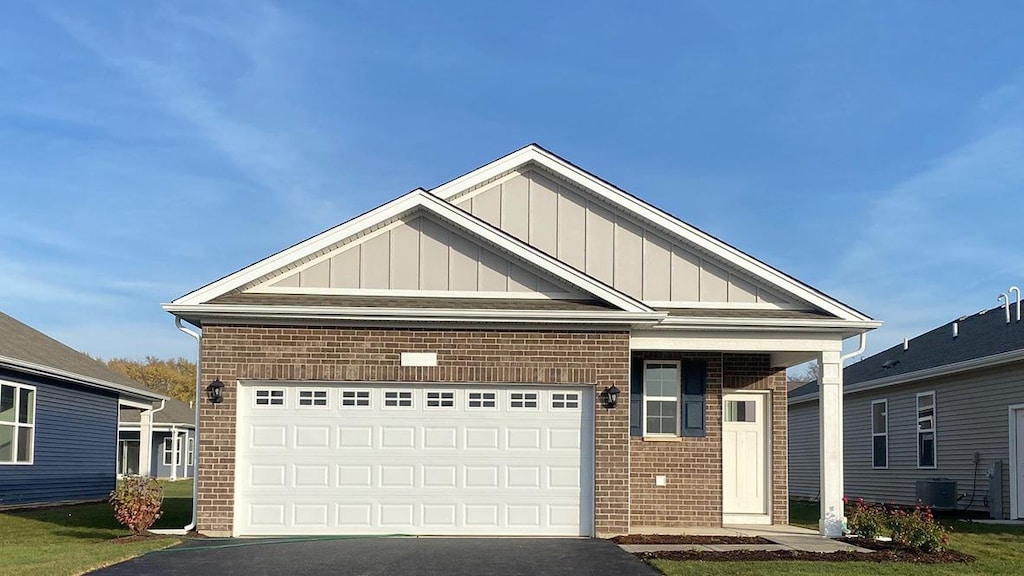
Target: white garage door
415 459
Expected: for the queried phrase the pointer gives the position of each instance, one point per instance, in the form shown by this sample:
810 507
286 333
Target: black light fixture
215 391
611 396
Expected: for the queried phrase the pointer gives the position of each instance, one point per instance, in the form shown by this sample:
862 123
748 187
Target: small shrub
918 528
136 502
869 521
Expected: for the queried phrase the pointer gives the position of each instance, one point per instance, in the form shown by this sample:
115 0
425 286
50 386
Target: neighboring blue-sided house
173 446
58 419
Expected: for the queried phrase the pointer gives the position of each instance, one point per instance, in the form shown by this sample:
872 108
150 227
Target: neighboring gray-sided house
173 446
58 419
948 404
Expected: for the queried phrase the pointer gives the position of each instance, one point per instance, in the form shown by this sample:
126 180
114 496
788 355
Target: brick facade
625 495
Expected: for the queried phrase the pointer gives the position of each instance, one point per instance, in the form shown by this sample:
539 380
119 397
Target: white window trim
538 399
497 400
934 430
384 400
356 391
269 404
643 413
454 399
874 434
324 406
18 426
191 459
168 452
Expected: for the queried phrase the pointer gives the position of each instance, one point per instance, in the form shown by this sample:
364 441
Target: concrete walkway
782 538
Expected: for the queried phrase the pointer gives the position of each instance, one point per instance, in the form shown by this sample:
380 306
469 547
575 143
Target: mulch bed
678 539
883 552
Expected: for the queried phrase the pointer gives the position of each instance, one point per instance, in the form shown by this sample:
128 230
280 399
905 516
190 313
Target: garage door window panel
440 399
355 398
313 398
482 400
398 399
523 400
267 397
565 400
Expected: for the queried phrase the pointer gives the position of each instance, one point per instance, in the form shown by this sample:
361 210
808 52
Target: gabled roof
25 349
416 200
983 339
535 154
174 412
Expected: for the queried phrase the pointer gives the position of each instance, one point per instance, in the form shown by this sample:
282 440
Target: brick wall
692 495
233 353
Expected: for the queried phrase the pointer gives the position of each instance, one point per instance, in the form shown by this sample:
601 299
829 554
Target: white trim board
417 199
1016 506
647 213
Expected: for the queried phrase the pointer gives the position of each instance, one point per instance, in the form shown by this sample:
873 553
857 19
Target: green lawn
72 540
998 549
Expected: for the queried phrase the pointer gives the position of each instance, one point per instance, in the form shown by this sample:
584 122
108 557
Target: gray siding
579 229
75 450
161 470
418 254
804 463
971 416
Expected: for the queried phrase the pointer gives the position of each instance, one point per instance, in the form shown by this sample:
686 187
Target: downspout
859 350
175 453
199 397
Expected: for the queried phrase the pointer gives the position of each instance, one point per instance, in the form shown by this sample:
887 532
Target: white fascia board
134 403
732 341
698 323
415 199
947 370
647 212
414 314
41 370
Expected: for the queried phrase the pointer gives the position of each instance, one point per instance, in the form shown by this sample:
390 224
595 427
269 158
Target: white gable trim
646 212
413 293
418 198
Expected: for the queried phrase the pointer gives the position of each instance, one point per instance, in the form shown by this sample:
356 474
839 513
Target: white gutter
859 350
195 476
41 370
417 314
946 370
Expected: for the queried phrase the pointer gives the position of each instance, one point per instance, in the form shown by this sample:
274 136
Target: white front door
426 459
744 459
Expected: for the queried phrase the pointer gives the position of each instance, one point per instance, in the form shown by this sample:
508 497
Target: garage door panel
453 470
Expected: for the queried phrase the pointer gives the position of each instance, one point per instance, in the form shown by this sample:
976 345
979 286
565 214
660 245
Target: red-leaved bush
136 502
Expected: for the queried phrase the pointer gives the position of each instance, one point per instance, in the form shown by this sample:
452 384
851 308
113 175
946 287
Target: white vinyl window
17 423
523 400
880 434
661 398
440 399
562 400
482 399
355 398
398 399
269 397
191 452
926 430
169 454
313 398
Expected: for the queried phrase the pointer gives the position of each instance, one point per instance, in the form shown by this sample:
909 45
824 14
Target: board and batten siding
417 254
75 453
971 416
593 237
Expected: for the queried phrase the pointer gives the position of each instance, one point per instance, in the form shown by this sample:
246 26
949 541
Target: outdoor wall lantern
611 396
215 391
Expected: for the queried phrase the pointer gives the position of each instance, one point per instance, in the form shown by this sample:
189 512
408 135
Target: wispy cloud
935 241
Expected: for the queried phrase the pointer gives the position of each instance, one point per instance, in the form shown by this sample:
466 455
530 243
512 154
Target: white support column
175 454
830 404
146 443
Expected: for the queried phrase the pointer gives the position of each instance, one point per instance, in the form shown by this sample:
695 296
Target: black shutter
636 396
693 408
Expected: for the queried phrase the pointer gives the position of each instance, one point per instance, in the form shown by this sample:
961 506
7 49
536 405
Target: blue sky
872 149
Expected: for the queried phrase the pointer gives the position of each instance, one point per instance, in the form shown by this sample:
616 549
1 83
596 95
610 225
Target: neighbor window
169 455
191 452
926 430
661 398
17 423
880 434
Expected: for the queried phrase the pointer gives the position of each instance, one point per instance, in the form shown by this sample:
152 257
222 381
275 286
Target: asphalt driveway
379 556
